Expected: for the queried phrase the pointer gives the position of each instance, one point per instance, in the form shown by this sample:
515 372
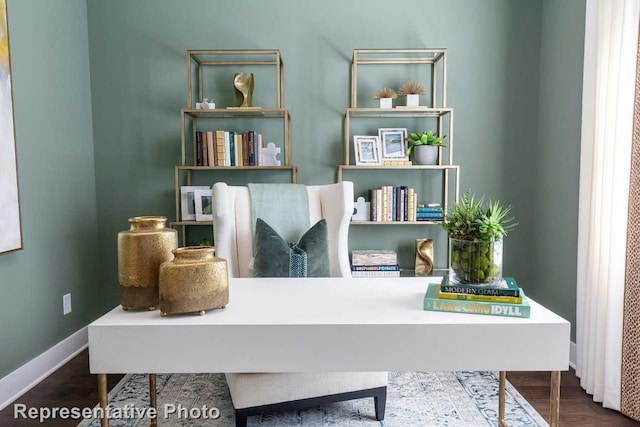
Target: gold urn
194 281
141 250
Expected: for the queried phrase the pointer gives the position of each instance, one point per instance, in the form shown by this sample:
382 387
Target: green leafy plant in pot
476 230
424 147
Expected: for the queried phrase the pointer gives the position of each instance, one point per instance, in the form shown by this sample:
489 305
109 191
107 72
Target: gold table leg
503 379
554 416
102 392
152 399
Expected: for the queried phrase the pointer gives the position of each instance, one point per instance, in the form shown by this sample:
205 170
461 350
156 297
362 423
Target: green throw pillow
309 257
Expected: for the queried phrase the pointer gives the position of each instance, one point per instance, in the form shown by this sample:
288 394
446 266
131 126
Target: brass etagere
197 61
435 69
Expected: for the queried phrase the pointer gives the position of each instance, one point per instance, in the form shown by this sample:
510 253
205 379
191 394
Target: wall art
10 226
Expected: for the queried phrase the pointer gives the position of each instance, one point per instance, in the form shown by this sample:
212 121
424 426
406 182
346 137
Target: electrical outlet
66 304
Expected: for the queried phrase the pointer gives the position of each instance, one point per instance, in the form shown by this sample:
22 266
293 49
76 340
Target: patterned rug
414 399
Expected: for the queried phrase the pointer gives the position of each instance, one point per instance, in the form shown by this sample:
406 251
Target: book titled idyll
433 303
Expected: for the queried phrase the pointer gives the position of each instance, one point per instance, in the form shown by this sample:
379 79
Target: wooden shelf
412 167
396 222
399 112
235 168
183 223
234 113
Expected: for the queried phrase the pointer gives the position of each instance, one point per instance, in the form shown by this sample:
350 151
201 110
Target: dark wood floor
73 386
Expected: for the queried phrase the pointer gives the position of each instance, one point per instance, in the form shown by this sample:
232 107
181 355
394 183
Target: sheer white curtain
611 37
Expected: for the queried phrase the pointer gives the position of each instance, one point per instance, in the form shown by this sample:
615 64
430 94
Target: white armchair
256 393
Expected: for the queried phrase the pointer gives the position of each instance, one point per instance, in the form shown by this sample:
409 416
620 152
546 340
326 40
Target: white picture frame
204 207
188 201
393 145
367 150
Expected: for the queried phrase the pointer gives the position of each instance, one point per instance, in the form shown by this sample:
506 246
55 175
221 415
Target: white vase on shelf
386 102
413 100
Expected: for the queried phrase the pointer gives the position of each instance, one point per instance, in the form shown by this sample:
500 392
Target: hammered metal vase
141 250
193 282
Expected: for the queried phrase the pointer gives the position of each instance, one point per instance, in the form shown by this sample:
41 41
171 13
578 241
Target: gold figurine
243 83
424 257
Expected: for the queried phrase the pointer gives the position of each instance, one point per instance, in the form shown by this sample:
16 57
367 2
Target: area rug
414 399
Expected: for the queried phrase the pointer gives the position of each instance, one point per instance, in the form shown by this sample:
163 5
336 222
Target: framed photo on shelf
393 143
188 201
366 149
204 208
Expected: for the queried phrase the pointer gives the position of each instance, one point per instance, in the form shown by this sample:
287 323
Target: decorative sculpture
243 83
424 257
362 210
269 154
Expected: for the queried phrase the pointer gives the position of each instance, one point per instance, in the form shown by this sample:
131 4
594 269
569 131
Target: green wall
514 80
52 100
138 51
554 249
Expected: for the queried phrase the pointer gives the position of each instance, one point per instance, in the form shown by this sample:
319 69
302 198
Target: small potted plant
412 90
386 97
424 147
476 230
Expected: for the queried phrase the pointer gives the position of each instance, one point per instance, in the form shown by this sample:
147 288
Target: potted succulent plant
412 90
476 229
386 97
424 147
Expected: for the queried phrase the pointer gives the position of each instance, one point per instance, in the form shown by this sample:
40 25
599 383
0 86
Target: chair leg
380 403
241 418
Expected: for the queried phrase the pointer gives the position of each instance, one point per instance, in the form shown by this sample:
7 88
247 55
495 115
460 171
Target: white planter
413 100
425 154
386 103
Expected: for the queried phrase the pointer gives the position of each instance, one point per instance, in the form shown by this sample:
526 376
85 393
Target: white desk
333 324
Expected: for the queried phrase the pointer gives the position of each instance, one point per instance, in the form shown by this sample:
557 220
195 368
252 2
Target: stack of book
431 212
505 298
374 263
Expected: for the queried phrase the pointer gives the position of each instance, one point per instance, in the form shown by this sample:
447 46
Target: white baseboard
31 373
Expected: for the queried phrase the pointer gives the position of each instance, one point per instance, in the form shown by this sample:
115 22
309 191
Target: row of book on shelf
226 148
400 203
374 263
504 298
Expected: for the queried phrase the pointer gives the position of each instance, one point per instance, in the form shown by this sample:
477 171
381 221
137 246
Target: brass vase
141 250
194 281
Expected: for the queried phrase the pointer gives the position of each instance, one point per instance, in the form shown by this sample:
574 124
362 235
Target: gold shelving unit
434 75
197 61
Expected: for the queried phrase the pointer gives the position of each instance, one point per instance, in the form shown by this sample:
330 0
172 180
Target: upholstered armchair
233 224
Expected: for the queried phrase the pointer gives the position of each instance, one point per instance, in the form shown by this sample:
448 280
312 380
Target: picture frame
188 201
393 144
367 150
204 207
